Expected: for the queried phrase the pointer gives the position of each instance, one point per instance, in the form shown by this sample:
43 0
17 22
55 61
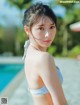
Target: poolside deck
21 96
70 69
11 60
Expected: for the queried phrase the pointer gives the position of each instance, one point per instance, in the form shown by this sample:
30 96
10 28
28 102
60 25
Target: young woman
44 78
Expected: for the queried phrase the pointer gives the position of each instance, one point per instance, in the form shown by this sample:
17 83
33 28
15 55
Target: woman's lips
47 41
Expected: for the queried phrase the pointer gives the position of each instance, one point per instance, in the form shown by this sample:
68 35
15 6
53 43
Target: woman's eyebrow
44 24
52 24
41 25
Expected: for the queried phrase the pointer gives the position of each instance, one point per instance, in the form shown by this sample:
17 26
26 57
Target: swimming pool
8 73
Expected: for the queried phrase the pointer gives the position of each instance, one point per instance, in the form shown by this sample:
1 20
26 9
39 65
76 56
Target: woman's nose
46 33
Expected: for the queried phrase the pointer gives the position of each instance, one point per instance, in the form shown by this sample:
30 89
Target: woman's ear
26 29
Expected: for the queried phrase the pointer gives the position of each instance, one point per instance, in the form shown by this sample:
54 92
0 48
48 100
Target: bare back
41 71
32 62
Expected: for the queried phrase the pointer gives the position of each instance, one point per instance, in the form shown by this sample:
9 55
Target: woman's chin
46 46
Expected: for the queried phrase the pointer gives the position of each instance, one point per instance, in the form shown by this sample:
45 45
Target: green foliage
67 43
20 3
52 49
75 51
12 41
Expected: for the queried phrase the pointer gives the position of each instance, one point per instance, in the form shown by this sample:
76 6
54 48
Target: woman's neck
37 47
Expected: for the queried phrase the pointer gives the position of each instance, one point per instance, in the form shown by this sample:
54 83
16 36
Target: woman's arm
48 73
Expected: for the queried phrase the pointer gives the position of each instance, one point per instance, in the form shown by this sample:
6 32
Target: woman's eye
52 27
41 28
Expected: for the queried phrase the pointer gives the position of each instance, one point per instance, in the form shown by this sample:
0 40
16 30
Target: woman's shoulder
45 58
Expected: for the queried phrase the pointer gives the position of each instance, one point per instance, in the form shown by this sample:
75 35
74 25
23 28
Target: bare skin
33 74
40 68
34 79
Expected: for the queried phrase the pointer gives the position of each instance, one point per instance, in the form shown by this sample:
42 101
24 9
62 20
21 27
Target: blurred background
65 48
12 35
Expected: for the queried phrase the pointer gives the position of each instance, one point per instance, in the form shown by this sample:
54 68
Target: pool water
7 73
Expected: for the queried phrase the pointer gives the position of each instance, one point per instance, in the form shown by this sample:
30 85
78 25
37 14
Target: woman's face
43 32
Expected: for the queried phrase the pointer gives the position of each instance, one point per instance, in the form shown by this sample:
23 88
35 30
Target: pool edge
12 86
